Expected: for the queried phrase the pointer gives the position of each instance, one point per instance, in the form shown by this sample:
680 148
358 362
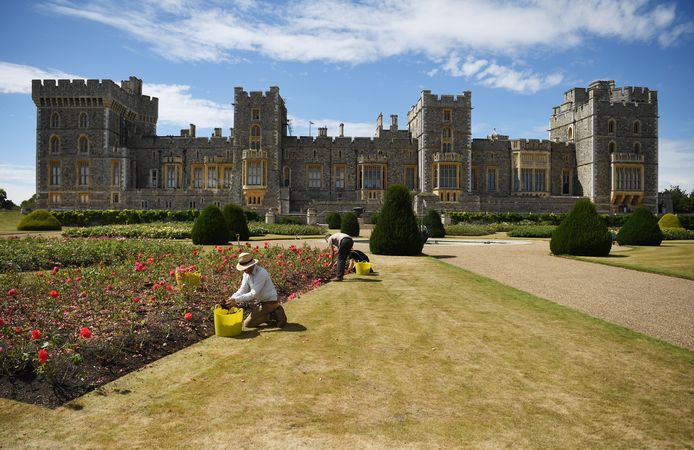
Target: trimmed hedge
432 220
350 224
542 218
236 222
670 220
210 228
334 221
641 229
396 232
90 217
677 234
532 231
581 233
468 229
39 220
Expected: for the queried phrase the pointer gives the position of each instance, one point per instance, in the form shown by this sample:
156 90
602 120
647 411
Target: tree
30 203
349 224
432 220
236 221
681 202
334 220
396 232
641 229
4 202
582 232
210 228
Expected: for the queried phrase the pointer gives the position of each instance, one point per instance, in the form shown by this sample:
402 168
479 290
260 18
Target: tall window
340 177
255 114
212 177
637 127
197 177
539 180
566 181
83 123
255 137
84 174
83 198
55 120
629 178
570 133
637 147
314 176
285 176
255 173
446 139
83 144
611 147
153 178
171 181
227 177
115 173
448 176
611 126
54 197
492 181
410 177
372 177
446 115
55 174
473 180
527 180
54 145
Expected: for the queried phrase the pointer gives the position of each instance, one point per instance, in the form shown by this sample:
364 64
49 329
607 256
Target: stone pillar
445 219
311 216
270 216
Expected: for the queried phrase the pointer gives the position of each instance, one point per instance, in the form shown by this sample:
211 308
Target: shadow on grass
254 333
440 256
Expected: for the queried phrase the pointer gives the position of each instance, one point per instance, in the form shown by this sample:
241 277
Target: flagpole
309 127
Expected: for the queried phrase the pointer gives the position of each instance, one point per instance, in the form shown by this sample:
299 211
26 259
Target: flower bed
64 332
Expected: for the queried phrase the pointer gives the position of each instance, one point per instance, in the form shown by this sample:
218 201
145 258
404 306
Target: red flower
55 269
54 293
17 330
36 334
82 294
43 356
77 279
136 300
188 316
85 333
2 323
12 292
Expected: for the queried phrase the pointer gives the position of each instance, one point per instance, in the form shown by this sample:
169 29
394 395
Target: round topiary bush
669 220
640 229
582 232
210 228
334 220
350 224
432 220
39 220
236 222
396 232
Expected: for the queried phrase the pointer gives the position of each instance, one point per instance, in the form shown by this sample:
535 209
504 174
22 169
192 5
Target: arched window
570 133
612 147
637 147
83 144
83 120
55 120
446 139
285 176
255 137
637 127
611 126
54 144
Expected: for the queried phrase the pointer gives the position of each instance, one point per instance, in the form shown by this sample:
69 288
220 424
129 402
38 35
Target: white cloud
676 164
16 78
178 107
18 181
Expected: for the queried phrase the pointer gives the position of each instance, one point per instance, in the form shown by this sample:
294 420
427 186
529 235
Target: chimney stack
342 130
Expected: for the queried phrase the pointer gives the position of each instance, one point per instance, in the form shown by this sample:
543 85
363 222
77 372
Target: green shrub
39 220
677 234
432 220
670 220
236 222
687 221
374 218
252 216
334 221
641 229
349 224
210 228
289 220
532 231
396 232
156 230
582 233
468 229
261 228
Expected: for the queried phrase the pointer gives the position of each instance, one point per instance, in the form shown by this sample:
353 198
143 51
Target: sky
341 61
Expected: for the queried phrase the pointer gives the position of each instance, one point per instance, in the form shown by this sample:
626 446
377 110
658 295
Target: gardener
258 292
342 244
356 256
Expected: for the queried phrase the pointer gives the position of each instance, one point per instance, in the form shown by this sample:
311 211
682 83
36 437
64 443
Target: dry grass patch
424 355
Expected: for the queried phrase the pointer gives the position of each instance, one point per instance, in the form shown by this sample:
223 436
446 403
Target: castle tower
615 131
82 134
442 127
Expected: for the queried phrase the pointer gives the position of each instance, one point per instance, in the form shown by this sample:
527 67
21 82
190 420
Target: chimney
217 132
192 130
393 122
323 131
185 132
342 130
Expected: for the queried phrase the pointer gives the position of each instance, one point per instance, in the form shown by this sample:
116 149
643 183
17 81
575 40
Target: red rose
85 333
136 300
12 292
54 293
2 323
35 334
55 270
188 316
43 356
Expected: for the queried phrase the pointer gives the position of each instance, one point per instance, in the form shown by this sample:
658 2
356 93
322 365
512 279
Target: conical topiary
334 221
432 220
640 229
669 220
210 228
349 224
396 232
236 222
39 220
582 232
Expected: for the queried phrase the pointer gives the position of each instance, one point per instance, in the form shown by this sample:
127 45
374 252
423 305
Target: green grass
673 258
424 355
9 221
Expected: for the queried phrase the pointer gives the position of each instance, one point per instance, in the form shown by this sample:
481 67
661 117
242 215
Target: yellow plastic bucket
190 280
363 268
228 322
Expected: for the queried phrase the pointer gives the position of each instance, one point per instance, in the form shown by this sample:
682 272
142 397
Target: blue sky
346 61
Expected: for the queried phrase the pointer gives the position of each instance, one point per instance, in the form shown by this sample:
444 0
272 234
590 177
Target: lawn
422 355
9 221
674 258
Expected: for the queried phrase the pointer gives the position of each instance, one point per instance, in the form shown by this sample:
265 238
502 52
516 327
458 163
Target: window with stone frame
629 178
446 139
255 113
340 176
411 177
115 197
637 147
254 140
611 126
227 177
447 115
83 198
55 120
446 176
83 173
539 182
254 175
54 198
474 187
372 176
492 179
637 127
153 178
83 145
611 147
286 180
313 174
212 177
566 181
54 168
171 177
54 145
197 177
115 173
83 121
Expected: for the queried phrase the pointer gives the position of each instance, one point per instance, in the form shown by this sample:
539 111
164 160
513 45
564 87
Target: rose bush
73 329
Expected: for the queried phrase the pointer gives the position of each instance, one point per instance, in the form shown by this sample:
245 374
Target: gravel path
652 304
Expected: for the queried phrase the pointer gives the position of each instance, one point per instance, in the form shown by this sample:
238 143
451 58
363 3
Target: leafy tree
210 228
582 232
236 222
30 203
334 221
4 202
396 232
641 229
432 220
350 224
681 202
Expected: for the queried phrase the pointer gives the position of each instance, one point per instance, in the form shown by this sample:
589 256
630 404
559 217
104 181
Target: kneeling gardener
257 290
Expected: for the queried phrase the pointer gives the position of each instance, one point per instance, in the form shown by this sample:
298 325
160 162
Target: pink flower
12 292
85 332
77 279
54 293
2 323
43 356
188 316
55 269
35 334
136 300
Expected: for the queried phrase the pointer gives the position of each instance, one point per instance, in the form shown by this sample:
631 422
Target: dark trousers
342 254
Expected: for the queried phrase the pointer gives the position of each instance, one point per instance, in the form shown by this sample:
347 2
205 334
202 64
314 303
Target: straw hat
245 261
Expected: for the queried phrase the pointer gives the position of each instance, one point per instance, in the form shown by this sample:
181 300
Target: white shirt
256 286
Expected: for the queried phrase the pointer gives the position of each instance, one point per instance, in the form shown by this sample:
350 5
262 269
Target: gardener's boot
280 317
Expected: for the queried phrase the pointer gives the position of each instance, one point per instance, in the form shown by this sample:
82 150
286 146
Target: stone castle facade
97 147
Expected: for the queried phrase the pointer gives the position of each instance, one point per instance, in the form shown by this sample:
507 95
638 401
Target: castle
97 148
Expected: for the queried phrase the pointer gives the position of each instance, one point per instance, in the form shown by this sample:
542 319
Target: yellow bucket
190 280
229 322
363 268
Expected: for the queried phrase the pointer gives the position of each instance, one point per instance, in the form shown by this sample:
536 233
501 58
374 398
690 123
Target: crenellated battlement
634 94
